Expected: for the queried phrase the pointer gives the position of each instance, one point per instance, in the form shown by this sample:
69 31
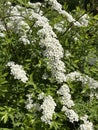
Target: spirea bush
48 67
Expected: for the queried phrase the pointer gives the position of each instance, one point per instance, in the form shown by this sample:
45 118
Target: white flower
67 54
29 105
84 118
2 35
22 27
48 108
70 114
84 20
54 4
60 27
87 124
48 39
8 3
67 101
45 76
29 102
76 39
54 51
18 72
58 7
41 96
66 97
64 89
24 39
41 21
2 27
67 15
76 23
73 75
85 79
59 76
34 5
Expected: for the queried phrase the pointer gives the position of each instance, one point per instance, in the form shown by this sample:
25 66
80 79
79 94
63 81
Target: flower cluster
66 97
58 7
29 102
41 96
48 39
54 4
17 71
60 27
17 23
84 20
48 107
67 103
53 49
87 124
85 79
2 29
71 114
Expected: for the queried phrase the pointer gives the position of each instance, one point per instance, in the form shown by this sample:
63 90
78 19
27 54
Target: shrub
48 67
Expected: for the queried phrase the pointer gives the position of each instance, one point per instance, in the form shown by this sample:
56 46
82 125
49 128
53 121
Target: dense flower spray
85 79
18 72
64 91
87 124
48 107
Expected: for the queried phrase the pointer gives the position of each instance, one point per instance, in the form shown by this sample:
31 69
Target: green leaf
5 118
31 82
23 2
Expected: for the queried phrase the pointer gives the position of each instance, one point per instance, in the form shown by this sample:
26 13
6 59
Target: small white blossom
84 118
29 102
8 3
66 96
45 76
76 39
54 51
48 108
18 72
54 4
2 28
41 96
60 27
22 27
67 15
66 101
85 79
67 54
2 35
34 5
71 114
24 39
64 89
76 23
84 20
87 124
